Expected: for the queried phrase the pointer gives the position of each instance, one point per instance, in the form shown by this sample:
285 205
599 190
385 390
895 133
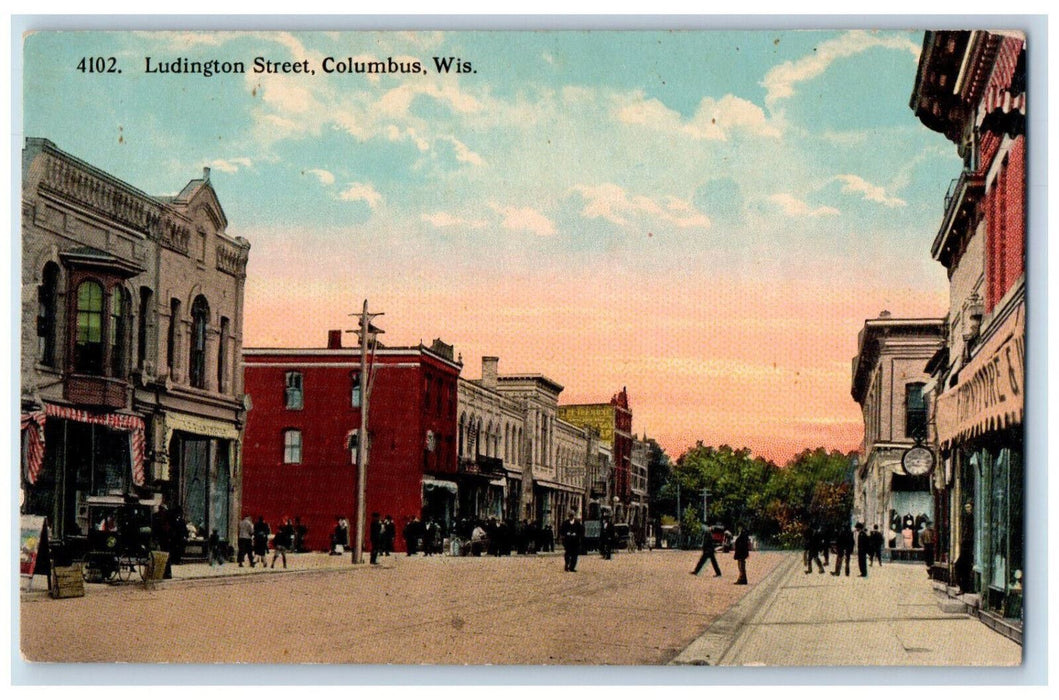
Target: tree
813 489
659 468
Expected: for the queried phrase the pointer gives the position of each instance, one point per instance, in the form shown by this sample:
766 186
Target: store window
915 412
293 397
88 336
47 306
200 317
292 447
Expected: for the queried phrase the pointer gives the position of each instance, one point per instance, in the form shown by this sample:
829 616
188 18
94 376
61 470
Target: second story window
222 356
118 332
88 339
47 296
915 412
292 447
354 391
293 391
200 317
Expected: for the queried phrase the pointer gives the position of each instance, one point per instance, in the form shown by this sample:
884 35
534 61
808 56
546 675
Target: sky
705 218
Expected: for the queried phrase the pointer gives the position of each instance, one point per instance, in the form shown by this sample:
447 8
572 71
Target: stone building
612 422
889 383
971 87
132 316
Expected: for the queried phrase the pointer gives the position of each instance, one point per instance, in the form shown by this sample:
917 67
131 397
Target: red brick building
299 458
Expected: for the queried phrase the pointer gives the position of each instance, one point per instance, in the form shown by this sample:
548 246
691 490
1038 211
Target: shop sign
991 395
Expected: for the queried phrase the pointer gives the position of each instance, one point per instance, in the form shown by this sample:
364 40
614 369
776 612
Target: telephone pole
367 334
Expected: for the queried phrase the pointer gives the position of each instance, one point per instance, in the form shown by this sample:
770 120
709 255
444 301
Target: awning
436 484
990 396
556 486
34 423
197 425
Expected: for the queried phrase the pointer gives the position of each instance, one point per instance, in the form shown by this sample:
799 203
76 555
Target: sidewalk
894 617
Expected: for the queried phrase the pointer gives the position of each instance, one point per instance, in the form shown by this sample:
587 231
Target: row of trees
775 503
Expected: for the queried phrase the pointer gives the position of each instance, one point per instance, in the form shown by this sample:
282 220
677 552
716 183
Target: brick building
132 314
971 87
300 448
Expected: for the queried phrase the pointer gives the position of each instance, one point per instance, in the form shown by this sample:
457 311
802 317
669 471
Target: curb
714 644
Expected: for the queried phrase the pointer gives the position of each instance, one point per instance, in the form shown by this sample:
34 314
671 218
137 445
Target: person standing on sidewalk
864 546
844 548
283 541
572 534
261 533
742 553
375 533
606 537
812 550
926 538
246 540
708 555
876 541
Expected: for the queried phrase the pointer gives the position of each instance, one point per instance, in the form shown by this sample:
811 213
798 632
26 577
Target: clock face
918 461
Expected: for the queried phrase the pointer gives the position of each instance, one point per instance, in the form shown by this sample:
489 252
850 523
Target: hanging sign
33 533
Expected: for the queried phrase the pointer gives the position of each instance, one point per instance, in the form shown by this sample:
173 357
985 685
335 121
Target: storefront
78 467
981 435
439 502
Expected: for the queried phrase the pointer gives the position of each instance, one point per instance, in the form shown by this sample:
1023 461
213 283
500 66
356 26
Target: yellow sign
597 416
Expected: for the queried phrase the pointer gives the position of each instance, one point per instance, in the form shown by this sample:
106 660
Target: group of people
867 545
740 552
253 541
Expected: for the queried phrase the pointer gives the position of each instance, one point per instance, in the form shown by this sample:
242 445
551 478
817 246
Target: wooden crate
67 582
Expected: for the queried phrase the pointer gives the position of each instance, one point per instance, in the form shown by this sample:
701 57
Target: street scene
641 348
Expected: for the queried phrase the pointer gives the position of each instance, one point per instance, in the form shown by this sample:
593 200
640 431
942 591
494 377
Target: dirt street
640 608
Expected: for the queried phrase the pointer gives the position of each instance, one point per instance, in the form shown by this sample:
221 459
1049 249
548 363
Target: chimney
489 372
334 340
206 174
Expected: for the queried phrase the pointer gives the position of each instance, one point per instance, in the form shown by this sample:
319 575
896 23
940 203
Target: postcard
513 348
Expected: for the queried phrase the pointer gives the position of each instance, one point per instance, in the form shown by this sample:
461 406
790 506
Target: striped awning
34 421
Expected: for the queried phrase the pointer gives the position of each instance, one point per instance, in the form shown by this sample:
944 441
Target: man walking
375 534
707 555
246 540
812 550
606 537
742 553
876 542
572 534
844 548
863 547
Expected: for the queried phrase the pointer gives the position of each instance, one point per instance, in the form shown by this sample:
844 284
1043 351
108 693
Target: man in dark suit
742 553
707 555
606 537
572 533
376 535
844 547
863 547
876 540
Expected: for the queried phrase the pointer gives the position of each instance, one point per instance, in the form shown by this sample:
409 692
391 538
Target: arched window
118 331
88 337
200 316
47 296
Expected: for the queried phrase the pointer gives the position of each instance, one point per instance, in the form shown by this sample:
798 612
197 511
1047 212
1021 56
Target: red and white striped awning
34 423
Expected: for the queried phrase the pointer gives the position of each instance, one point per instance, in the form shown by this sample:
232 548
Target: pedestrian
375 536
707 555
844 548
411 536
572 534
389 533
812 550
864 545
215 554
300 532
742 553
283 542
246 540
606 537
178 532
926 538
161 530
876 542
824 545
478 539
261 533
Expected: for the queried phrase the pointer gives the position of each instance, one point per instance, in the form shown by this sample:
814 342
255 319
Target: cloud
524 219
716 120
361 192
463 153
612 203
443 219
781 80
397 101
854 184
325 176
795 207
230 165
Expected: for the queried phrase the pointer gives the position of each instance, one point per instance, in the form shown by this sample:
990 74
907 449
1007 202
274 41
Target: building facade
971 87
613 423
131 382
889 383
300 455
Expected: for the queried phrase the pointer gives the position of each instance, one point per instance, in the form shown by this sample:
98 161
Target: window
141 331
171 339
915 412
200 316
88 338
293 391
354 378
222 356
47 294
292 447
354 446
118 330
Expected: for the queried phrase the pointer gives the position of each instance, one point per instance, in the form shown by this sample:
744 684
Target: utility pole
367 334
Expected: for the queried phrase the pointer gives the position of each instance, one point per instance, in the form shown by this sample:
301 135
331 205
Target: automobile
722 538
